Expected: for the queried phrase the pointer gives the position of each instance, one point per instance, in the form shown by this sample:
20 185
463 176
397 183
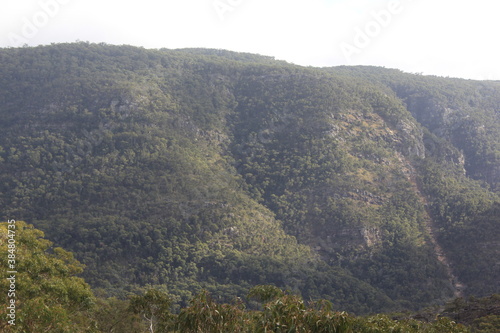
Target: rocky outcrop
348 238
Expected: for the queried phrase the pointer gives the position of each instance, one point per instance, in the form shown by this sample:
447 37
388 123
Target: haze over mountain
198 168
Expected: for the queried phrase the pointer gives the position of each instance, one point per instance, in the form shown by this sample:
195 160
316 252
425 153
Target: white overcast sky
453 38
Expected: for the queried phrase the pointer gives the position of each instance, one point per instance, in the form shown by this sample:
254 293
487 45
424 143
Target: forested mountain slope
195 168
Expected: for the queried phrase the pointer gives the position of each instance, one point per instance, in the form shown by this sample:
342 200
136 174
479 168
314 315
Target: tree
45 291
154 306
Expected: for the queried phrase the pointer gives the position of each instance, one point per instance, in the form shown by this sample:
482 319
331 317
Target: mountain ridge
211 169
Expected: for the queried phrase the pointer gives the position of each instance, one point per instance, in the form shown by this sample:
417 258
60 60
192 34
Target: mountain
207 169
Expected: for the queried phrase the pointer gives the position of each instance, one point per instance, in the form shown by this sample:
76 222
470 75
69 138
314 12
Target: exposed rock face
347 238
412 139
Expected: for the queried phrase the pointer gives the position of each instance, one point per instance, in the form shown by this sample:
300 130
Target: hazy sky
440 37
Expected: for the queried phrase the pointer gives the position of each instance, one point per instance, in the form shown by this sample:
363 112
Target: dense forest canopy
49 298
194 169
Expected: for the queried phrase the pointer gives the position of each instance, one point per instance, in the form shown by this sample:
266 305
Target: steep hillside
462 140
463 112
198 168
